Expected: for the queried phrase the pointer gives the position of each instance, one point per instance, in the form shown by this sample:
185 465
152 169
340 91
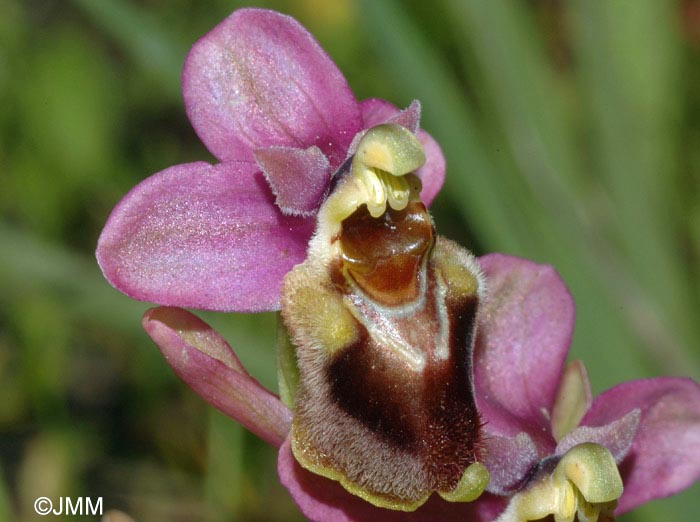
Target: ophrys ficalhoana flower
418 382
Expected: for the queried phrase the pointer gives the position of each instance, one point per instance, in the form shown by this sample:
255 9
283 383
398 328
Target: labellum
382 315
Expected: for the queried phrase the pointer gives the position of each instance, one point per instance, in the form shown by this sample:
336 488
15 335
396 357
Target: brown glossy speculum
384 256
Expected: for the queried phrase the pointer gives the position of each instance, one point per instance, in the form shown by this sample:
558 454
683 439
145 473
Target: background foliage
572 134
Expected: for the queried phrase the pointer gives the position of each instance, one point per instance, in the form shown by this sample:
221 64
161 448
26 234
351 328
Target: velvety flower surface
651 426
278 115
276 112
204 360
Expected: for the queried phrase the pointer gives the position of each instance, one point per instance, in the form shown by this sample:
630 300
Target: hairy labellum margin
383 317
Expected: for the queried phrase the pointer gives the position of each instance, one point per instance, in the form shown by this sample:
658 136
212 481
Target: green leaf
139 33
408 55
630 84
5 506
225 470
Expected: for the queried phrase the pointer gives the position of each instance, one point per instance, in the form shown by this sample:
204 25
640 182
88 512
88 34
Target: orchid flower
408 391
541 421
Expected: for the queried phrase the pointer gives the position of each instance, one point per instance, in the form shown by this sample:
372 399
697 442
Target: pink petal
205 361
260 79
376 111
665 455
202 236
324 500
432 174
523 338
299 178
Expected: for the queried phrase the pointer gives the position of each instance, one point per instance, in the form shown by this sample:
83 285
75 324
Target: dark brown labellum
384 334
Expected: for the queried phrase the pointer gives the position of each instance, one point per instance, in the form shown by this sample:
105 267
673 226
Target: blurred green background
572 135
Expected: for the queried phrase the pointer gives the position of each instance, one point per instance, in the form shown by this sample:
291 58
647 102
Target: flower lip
382 319
324 500
666 446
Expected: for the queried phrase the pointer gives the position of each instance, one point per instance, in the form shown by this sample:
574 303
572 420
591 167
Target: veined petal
324 500
299 178
260 79
376 111
202 236
205 361
522 342
665 454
